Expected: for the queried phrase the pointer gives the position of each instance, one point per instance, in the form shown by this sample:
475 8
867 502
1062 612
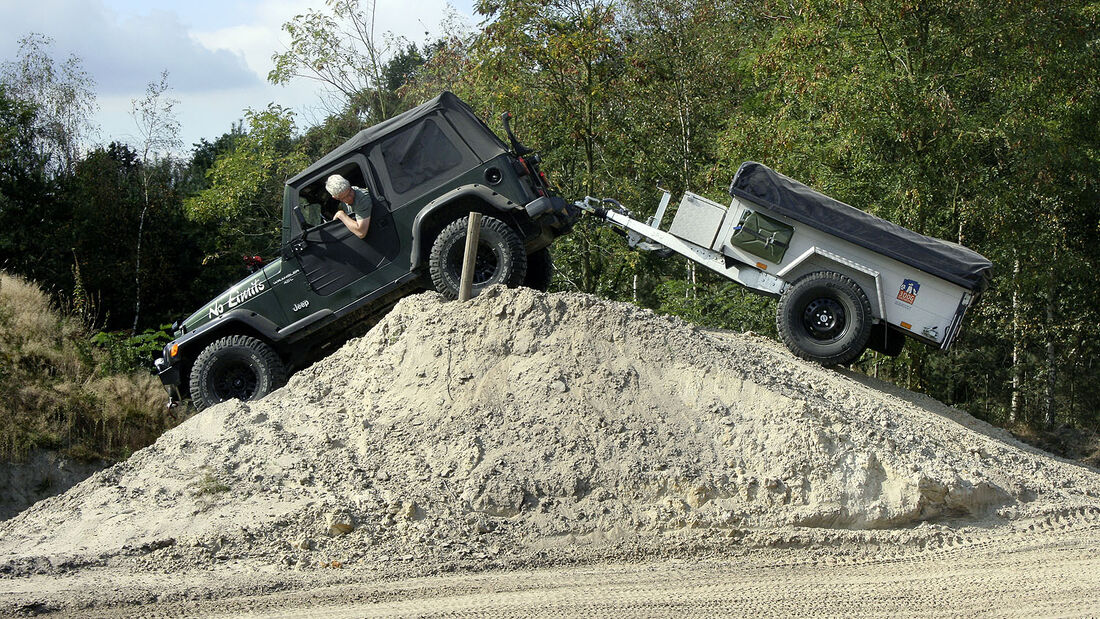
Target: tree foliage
244 200
339 49
972 122
156 120
63 93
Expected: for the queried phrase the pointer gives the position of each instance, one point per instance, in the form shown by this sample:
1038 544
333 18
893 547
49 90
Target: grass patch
60 391
208 484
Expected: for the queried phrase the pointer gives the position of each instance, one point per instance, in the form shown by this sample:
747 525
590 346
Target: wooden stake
473 234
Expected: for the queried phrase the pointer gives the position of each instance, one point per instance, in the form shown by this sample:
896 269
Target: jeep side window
314 201
418 154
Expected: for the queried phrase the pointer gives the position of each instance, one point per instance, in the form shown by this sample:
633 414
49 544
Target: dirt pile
523 423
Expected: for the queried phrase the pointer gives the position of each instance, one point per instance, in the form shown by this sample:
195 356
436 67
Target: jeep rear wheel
235 367
500 257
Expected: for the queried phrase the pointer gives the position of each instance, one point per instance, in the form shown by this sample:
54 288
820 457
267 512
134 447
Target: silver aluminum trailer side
845 280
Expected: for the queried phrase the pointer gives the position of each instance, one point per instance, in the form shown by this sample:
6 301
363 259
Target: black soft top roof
950 261
475 132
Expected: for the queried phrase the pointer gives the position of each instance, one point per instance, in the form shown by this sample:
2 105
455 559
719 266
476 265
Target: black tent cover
760 184
473 130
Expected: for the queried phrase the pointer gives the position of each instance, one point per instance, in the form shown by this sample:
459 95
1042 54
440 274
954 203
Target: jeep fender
481 193
238 321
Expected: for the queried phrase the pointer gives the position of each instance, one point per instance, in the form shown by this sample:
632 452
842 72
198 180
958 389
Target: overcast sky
217 52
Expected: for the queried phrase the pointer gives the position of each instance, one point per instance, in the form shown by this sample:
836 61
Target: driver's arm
358 228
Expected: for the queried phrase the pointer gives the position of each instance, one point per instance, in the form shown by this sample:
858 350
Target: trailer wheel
825 317
501 258
235 367
540 270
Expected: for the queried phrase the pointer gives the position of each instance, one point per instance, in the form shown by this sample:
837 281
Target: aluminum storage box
698 220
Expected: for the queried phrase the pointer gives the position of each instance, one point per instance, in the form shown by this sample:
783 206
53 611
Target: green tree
339 49
63 94
558 65
244 200
27 195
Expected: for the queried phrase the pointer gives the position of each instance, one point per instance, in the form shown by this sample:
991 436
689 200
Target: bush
62 389
127 353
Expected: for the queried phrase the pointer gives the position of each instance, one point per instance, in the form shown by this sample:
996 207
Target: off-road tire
540 270
238 367
501 258
825 317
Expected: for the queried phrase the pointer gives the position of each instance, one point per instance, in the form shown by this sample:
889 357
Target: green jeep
425 170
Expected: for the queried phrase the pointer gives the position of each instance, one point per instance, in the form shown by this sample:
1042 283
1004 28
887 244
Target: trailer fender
817 259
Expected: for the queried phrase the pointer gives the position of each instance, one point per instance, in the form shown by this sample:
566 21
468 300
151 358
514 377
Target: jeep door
330 256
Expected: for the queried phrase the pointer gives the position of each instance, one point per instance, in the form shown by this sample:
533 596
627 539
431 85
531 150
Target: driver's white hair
336 185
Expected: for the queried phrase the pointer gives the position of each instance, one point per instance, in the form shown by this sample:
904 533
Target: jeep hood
236 296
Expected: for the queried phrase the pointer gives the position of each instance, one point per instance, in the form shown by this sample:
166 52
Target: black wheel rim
824 319
485 262
233 379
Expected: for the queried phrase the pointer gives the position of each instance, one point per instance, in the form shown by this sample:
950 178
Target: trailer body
777 234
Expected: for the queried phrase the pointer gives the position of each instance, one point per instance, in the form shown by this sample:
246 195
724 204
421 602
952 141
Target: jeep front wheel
235 367
500 257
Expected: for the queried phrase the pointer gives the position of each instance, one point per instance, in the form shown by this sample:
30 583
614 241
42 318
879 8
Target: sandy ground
1050 568
546 455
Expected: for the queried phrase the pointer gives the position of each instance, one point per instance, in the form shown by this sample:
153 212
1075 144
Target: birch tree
155 118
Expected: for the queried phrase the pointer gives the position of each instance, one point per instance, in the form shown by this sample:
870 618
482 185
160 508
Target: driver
357 202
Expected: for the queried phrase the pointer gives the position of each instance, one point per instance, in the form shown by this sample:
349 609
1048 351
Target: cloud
258 38
124 53
261 37
217 52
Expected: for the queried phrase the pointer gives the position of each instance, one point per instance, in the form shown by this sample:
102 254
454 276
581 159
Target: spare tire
501 258
825 317
235 367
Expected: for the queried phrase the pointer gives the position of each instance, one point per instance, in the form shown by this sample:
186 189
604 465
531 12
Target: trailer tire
238 367
540 270
501 258
825 317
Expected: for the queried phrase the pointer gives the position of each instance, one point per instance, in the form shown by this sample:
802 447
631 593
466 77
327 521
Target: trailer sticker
908 292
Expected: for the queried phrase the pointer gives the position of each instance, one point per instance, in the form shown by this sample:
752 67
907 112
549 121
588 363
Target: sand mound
523 421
